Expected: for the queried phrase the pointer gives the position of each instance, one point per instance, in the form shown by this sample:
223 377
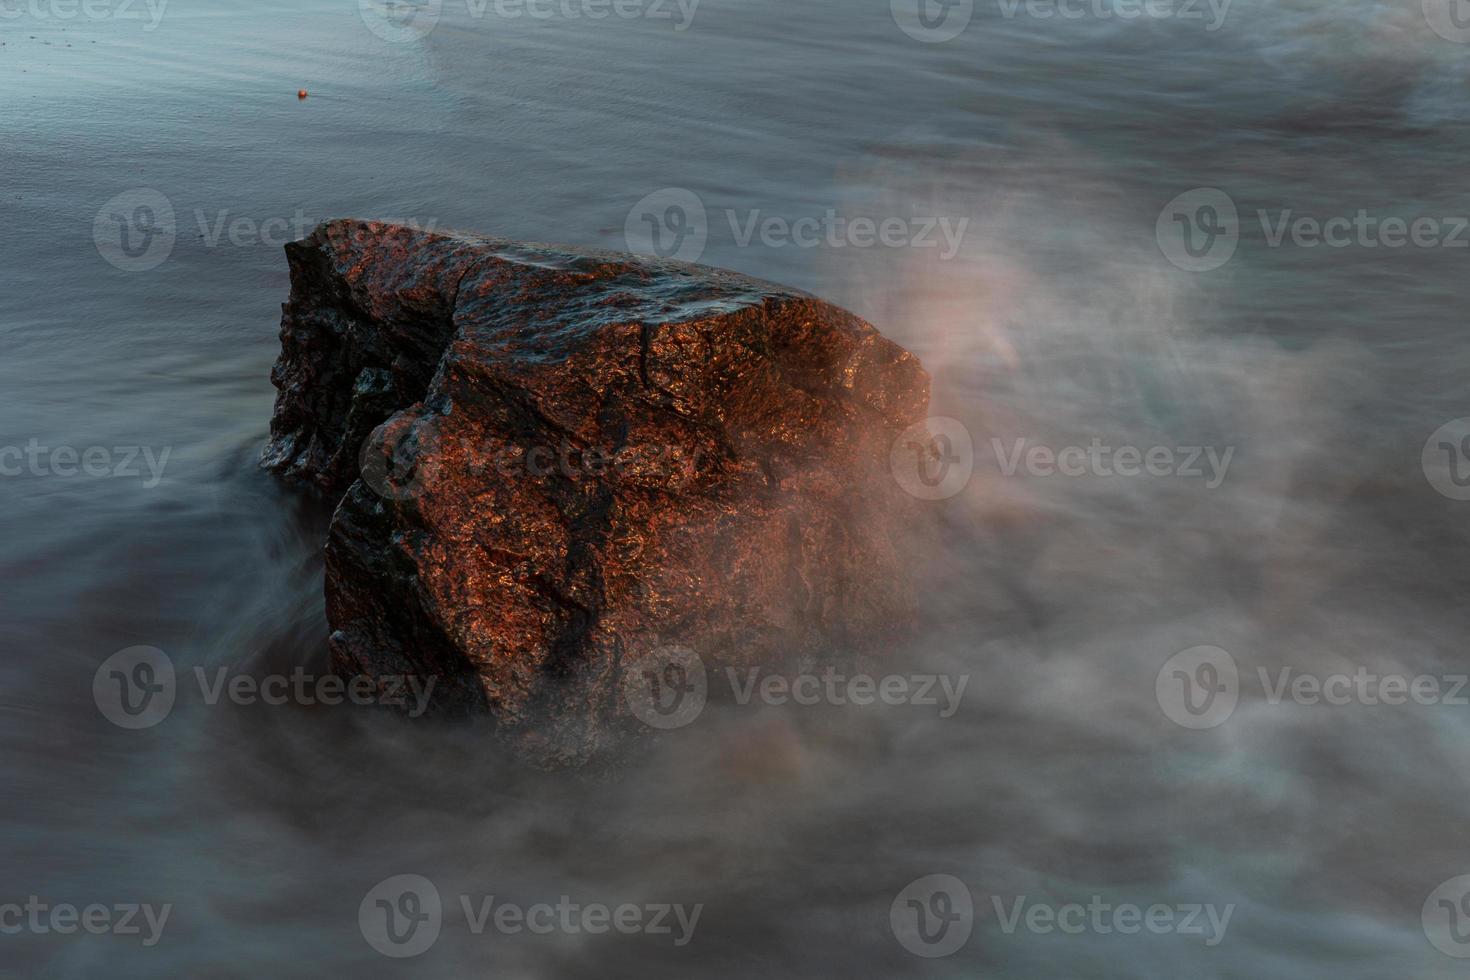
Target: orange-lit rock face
587 457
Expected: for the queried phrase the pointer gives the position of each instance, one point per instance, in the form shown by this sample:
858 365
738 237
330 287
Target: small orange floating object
301 93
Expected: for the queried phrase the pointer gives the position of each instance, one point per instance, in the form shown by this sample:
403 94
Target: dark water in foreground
1058 320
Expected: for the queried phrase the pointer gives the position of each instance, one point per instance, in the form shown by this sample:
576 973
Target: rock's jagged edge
530 594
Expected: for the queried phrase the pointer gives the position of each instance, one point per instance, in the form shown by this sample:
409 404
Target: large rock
588 458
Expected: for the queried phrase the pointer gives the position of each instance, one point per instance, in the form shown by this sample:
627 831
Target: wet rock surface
557 465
